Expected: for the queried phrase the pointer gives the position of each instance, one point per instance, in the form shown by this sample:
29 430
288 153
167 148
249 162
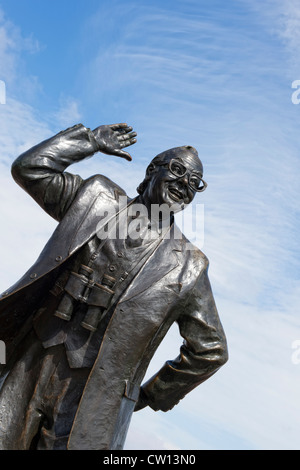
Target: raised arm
41 170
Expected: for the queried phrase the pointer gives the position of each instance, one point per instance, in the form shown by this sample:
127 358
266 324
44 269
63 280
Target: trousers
39 398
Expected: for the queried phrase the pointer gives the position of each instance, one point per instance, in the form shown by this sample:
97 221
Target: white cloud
24 227
13 46
282 20
228 102
68 112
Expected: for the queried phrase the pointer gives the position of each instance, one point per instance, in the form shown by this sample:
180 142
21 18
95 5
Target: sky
215 75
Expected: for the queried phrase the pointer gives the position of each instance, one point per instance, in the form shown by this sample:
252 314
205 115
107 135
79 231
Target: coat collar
161 262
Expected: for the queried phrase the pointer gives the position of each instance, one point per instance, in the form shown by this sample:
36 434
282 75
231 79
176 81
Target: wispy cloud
208 80
68 112
217 78
13 49
219 86
282 20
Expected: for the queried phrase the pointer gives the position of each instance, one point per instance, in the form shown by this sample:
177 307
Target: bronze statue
82 325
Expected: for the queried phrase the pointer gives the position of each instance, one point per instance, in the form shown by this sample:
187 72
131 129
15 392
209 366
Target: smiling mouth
175 194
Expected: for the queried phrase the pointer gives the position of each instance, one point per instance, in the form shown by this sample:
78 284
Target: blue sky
216 75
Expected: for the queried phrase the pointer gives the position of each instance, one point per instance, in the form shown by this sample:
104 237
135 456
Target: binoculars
81 288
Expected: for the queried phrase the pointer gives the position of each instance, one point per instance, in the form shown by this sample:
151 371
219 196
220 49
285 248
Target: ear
151 169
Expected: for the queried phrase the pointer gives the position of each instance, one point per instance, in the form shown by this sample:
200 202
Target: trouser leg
39 399
15 395
60 403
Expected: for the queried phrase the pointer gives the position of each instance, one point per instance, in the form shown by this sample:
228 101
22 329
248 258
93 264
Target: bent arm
40 171
203 352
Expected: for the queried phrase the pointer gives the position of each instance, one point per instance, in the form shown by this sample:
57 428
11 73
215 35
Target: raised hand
112 139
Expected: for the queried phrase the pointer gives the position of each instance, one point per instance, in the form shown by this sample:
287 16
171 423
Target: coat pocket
130 397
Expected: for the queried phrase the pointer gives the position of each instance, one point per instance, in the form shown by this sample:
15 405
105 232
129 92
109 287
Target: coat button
58 258
120 254
112 268
33 275
124 275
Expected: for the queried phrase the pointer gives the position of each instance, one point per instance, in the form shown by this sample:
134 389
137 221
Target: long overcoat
172 286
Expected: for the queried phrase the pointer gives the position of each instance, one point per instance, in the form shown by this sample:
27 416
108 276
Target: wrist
93 140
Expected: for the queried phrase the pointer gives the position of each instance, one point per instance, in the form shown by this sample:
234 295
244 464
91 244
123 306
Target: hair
165 157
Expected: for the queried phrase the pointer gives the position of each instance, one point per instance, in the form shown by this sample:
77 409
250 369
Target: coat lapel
101 205
104 209
161 262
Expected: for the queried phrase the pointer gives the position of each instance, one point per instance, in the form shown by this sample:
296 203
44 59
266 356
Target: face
166 188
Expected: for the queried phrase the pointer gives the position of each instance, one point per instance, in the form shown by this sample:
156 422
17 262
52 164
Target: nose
184 179
183 182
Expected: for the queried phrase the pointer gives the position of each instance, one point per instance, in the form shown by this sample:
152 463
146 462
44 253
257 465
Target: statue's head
173 177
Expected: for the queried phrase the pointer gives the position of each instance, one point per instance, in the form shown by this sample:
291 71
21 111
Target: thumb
124 154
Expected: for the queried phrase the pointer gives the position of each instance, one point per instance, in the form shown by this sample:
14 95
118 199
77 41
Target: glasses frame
190 174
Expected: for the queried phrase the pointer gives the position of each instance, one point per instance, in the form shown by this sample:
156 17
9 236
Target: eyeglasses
195 182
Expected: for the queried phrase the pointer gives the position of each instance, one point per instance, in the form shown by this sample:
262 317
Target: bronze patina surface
83 323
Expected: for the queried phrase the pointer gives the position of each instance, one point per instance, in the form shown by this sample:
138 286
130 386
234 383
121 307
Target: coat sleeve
40 170
202 353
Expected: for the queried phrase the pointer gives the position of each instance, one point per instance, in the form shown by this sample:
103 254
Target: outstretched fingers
121 127
128 143
127 139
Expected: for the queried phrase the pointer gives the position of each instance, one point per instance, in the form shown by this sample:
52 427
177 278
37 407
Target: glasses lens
177 168
196 183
